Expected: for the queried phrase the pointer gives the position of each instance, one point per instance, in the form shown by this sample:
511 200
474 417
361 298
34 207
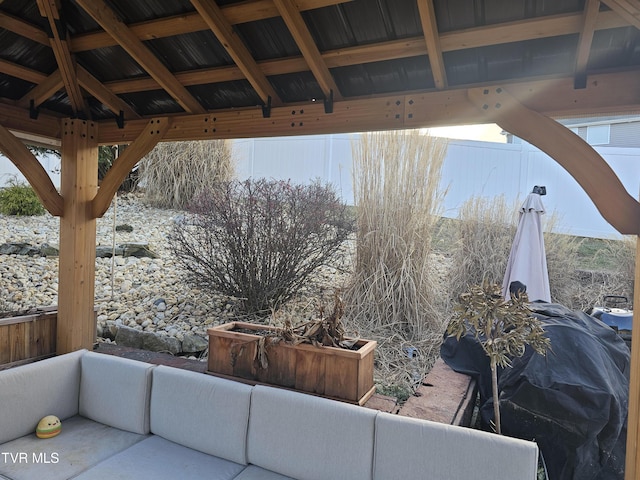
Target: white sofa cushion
30 392
410 448
81 444
308 437
158 459
116 391
256 473
200 411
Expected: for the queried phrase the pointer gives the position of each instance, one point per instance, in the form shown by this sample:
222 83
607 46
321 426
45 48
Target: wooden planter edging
27 338
336 373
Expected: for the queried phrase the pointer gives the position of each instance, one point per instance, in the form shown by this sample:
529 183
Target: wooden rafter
222 29
432 39
107 19
247 11
41 92
591 9
24 29
66 63
298 29
629 10
148 138
32 170
106 96
18 71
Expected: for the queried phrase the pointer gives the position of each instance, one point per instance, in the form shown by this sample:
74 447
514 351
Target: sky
487 133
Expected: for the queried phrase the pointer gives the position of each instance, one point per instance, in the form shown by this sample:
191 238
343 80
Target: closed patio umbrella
527 261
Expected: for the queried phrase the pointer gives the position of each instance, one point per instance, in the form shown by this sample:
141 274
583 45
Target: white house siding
625 135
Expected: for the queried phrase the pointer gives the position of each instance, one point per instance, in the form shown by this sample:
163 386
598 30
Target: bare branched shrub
259 240
394 295
175 173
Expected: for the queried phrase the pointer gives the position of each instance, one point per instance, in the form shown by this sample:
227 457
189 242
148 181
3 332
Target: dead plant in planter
323 331
503 329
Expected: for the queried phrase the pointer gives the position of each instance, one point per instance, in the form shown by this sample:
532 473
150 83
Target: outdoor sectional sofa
124 419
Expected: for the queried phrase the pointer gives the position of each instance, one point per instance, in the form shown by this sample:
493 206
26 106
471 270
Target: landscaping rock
129 337
160 343
193 343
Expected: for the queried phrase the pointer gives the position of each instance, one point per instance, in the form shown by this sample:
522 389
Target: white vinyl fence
471 168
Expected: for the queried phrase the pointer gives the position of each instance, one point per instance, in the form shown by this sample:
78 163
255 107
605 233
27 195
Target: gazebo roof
114 61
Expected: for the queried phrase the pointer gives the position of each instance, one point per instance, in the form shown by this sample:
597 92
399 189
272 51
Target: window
598 134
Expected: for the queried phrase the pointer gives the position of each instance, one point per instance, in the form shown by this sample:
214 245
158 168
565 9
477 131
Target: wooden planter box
28 337
336 373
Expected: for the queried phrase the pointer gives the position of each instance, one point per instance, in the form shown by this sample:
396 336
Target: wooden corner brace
149 138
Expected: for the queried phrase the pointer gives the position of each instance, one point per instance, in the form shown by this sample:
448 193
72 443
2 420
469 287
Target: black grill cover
572 402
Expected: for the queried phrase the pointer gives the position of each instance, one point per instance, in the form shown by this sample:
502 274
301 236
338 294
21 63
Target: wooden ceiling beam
301 35
591 9
554 97
605 93
432 39
104 95
66 63
248 11
107 19
629 10
222 29
41 92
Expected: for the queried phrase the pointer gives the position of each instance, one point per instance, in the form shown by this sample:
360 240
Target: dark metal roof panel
100 63
190 51
546 56
222 95
298 87
384 77
461 14
27 53
267 39
614 47
361 22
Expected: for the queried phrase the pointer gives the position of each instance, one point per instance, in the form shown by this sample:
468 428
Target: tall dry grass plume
484 232
174 173
485 229
394 296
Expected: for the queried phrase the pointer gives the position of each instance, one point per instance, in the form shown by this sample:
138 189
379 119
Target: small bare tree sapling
503 329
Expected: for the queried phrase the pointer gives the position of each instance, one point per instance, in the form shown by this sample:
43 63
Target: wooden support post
76 282
632 464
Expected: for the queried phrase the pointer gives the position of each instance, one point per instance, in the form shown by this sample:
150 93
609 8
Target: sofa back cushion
308 437
30 392
199 411
410 448
116 391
